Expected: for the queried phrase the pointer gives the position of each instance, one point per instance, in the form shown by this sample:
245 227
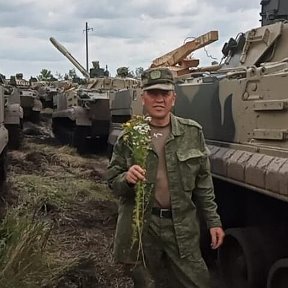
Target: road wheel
278 274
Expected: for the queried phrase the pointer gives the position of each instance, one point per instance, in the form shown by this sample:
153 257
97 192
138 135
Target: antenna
86 33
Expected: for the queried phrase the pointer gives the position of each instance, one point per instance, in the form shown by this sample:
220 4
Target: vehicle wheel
109 151
16 136
278 274
246 256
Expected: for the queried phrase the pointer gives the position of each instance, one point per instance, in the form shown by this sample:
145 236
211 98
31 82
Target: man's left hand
217 237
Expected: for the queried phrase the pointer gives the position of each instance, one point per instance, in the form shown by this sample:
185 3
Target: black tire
246 256
278 274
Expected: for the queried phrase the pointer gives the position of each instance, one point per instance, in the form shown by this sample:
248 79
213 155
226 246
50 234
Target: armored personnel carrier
242 105
82 111
3 141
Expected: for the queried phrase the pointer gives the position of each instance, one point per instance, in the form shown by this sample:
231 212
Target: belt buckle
162 211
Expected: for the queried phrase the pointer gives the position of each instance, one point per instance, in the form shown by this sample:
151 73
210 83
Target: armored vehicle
242 106
29 98
13 114
47 92
3 141
82 111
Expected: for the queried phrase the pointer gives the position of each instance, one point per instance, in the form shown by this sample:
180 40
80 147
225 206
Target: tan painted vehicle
3 141
29 98
242 105
47 92
13 114
82 115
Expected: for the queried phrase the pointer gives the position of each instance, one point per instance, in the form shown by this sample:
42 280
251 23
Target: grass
48 184
22 246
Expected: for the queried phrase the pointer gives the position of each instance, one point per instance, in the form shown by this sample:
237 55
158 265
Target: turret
68 55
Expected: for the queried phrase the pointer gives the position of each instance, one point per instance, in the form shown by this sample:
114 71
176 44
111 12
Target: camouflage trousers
164 267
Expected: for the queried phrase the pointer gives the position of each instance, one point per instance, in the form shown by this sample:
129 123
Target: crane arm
177 55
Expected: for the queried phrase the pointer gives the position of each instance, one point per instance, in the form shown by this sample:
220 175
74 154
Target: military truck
82 113
242 106
3 141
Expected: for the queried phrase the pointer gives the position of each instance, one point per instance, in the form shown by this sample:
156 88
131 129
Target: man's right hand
135 174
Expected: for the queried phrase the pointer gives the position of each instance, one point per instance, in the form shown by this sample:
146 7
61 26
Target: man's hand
135 174
217 237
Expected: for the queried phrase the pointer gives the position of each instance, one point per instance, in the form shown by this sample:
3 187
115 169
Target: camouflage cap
157 78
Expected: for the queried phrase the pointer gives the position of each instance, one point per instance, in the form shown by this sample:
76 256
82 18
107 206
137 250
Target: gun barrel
69 56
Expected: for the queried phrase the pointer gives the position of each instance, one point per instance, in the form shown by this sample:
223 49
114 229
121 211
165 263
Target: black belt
162 213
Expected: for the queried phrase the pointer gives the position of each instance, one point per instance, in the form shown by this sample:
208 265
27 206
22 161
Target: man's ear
142 98
174 98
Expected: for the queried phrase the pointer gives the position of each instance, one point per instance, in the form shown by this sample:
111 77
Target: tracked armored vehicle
47 92
29 98
3 141
13 114
82 112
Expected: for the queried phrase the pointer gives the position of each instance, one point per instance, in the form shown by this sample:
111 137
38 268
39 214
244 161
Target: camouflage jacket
190 186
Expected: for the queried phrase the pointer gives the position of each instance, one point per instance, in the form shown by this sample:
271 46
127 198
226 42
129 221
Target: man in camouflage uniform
179 173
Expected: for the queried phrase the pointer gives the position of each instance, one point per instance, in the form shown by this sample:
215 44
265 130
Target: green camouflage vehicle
242 106
3 141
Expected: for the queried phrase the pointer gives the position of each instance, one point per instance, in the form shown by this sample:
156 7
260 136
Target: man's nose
159 97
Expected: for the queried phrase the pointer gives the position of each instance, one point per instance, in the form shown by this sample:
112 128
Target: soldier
179 172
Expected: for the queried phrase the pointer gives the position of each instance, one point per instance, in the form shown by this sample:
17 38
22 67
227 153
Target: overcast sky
127 33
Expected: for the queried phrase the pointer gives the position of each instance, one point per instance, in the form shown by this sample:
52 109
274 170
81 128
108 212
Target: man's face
158 103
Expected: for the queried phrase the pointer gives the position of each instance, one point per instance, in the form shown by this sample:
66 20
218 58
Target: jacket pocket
189 165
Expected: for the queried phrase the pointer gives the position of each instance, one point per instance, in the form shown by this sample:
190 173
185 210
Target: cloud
128 33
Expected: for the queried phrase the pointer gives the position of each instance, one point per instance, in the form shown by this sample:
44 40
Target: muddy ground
76 200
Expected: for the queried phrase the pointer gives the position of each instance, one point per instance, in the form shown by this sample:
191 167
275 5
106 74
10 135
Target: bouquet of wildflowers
137 137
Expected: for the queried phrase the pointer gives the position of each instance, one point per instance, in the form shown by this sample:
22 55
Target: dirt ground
81 207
